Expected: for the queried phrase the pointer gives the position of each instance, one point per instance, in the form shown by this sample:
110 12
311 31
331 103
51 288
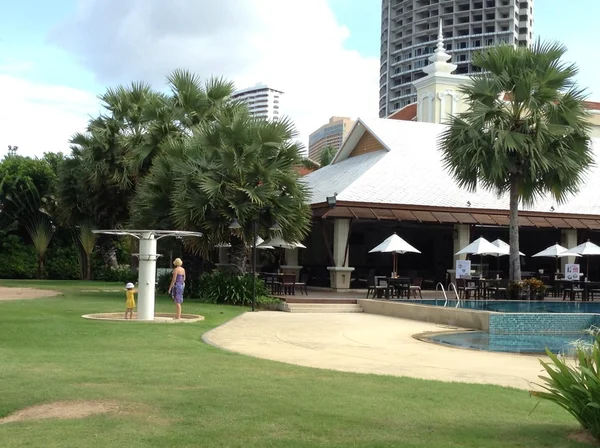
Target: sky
57 56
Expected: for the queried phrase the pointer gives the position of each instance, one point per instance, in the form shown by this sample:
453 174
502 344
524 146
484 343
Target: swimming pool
514 343
515 306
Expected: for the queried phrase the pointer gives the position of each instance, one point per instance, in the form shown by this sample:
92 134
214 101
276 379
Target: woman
177 285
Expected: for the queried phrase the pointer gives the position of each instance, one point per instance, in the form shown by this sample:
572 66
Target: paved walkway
368 343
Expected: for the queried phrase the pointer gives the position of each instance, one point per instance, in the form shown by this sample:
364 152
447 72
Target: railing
451 286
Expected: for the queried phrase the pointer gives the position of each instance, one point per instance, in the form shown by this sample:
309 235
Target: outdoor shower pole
147 277
254 236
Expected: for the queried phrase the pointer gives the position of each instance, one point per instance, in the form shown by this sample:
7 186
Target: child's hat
129 286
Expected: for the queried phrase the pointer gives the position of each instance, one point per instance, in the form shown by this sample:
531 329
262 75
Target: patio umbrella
395 245
280 242
586 249
480 247
503 249
556 251
259 244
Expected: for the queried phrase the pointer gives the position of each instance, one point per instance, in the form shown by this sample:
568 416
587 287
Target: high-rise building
262 101
330 134
409 30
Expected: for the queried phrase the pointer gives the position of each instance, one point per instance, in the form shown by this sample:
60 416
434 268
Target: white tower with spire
438 95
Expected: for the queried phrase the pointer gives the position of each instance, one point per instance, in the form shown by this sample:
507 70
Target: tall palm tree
234 167
87 239
525 132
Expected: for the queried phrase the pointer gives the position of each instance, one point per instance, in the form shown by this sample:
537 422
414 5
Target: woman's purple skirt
177 292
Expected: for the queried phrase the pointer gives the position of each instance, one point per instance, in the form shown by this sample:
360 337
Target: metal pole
254 225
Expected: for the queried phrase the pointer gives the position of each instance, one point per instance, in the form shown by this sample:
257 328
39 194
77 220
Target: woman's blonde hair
177 262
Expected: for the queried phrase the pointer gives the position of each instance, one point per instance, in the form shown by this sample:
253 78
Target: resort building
408 36
330 134
262 101
388 177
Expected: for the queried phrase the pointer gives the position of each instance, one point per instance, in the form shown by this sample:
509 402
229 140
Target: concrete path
367 343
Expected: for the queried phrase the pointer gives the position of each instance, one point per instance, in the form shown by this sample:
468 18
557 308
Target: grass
181 392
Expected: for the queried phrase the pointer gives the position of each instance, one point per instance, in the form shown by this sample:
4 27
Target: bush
227 288
576 389
62 263
17 260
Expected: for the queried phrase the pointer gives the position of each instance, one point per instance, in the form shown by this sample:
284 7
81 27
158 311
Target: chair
572 291
288 283
302 283
381 284
415 287
272 283
371 286
548 283
465 287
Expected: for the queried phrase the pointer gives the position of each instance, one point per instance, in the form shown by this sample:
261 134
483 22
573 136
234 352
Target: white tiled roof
410 172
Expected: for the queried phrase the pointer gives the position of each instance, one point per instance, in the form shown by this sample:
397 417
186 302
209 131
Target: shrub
17 260
577 388
62 263
224 287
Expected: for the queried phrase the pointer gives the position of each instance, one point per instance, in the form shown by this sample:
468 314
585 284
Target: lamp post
235 225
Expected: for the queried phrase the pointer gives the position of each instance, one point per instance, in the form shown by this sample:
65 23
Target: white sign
572 271
463 268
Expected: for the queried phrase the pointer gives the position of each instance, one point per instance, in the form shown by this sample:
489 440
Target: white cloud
39 118
297 47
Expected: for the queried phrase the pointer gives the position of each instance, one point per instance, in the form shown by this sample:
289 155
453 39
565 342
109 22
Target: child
130 303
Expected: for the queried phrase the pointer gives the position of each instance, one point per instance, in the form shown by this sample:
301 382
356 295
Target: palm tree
41 232
234 167
87 239
525 132
327 155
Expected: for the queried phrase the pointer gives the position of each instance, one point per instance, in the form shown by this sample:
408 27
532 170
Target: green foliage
17 260
577 388
62 263
525 131
221 287
232 167
230 289
327 155
41 233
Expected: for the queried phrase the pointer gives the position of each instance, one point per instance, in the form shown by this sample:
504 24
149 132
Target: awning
379 212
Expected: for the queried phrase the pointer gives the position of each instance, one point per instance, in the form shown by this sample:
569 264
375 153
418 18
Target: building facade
330 134
262 100
409 30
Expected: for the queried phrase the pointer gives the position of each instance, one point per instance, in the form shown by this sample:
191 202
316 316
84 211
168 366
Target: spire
439 59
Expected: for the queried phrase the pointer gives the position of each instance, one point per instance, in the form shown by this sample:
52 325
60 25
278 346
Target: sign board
463 268
572 271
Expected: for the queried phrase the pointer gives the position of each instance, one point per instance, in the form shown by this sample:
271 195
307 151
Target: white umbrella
503 249
587 248
259 244
280 242
556 251
395 245
481 247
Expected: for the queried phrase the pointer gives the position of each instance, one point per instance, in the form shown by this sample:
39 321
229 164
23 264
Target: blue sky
56 56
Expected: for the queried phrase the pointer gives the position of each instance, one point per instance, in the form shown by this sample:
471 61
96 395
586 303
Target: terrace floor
368 343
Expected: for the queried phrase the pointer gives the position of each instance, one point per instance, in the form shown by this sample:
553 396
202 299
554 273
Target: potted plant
515 290
535 288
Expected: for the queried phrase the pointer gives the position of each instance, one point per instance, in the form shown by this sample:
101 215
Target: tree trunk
88 267
238 256
514 259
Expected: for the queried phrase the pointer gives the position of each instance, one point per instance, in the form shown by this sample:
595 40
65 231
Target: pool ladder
452 287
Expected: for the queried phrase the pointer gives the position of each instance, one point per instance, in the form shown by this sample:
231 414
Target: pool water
514 343
515 306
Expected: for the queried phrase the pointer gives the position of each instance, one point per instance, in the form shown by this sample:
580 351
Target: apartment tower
330 134
262 101
409 30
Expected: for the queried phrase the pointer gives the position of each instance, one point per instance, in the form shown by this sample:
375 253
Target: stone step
322 308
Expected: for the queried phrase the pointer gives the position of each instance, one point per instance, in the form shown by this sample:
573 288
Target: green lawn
177 391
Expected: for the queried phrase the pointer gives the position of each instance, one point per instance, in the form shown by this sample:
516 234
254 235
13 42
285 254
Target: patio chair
302 283
465 287
548 283
288 284
591 293
572 290
415 287
381 284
